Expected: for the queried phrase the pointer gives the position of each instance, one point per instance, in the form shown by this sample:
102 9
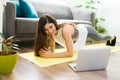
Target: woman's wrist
51 49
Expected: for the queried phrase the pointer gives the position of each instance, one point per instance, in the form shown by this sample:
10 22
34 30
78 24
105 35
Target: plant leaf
16 48
11 37
2 35
79 5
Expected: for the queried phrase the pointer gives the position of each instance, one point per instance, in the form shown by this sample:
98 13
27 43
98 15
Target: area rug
45 62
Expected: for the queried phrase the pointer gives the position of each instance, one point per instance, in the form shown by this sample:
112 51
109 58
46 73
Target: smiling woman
67 34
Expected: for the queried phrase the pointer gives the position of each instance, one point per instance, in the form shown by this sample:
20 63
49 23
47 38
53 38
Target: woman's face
50 29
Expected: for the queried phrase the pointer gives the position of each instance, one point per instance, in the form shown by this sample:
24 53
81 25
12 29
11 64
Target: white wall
110 10
1 15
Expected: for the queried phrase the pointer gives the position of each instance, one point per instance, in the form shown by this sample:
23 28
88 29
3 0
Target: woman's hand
45 52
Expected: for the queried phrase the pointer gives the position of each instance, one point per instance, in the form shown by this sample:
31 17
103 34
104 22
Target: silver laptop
91 59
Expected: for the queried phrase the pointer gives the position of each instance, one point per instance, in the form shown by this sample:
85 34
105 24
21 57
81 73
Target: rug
45 62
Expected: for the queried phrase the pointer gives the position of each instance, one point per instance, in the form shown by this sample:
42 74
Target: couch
25 28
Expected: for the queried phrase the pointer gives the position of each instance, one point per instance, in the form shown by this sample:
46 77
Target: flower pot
7 62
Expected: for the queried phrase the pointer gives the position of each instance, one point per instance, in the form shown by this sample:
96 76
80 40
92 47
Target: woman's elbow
70 54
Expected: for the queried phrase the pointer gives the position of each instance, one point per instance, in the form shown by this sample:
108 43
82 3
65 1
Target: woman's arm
67 33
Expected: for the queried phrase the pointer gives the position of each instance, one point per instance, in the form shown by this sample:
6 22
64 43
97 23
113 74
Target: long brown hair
42 39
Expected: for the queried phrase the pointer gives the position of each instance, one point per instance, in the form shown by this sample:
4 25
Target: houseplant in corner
8 54
99 27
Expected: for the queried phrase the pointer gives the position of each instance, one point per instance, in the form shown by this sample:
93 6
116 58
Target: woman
68 35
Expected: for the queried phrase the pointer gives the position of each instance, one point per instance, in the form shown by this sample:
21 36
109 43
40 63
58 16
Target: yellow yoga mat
45 62
103 45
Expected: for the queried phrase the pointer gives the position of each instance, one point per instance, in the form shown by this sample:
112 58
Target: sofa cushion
28 9
26 26
81 14
18 10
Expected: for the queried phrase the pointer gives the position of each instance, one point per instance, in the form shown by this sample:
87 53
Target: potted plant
98 25
8 54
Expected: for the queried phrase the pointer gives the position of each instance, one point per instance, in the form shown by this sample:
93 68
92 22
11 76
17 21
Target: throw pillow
18 10
28 9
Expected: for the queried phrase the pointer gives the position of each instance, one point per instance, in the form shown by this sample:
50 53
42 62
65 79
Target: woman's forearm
52 49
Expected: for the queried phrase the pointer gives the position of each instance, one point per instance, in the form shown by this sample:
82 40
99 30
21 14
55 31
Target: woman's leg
92 33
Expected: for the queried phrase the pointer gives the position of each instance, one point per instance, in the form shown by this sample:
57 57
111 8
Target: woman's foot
108 43
113 42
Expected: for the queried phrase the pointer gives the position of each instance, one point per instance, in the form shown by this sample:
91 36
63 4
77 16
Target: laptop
91 59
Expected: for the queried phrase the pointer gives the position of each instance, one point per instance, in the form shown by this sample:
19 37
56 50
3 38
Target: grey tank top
75 33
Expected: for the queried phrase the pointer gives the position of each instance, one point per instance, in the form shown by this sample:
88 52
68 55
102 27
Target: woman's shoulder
68 26
68 29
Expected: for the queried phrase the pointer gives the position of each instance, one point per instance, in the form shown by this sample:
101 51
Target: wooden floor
25 70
